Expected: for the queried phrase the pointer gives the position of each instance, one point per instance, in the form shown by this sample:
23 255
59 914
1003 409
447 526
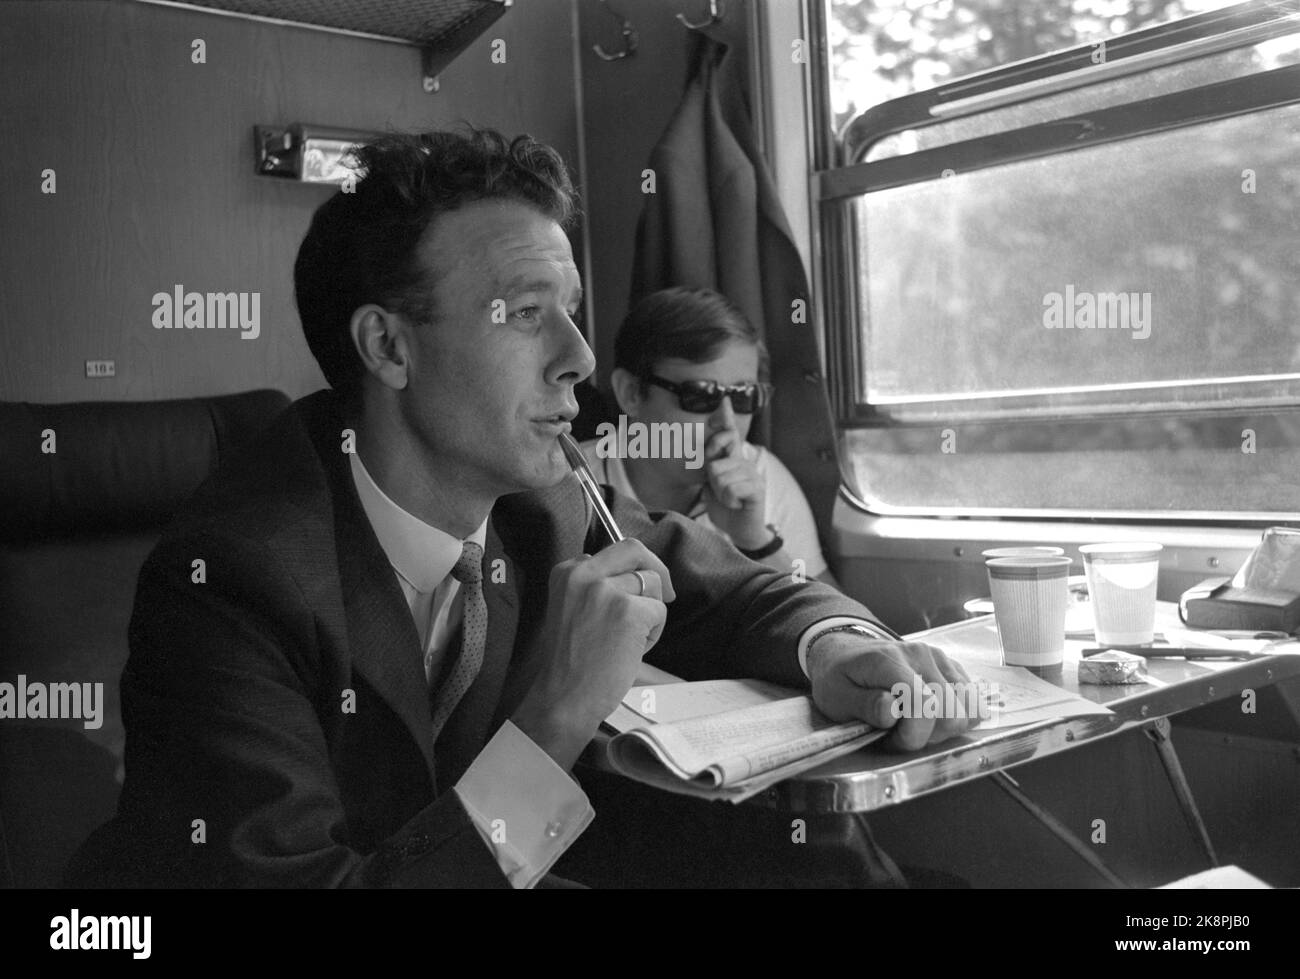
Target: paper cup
1022 552
1122 585
1029 602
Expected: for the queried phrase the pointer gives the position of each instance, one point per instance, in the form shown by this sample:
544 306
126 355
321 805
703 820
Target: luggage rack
441 29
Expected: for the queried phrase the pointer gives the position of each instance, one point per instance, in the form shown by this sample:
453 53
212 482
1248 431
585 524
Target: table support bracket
1058 829
873 856
1159 733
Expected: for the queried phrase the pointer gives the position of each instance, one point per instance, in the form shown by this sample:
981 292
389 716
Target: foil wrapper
1113 667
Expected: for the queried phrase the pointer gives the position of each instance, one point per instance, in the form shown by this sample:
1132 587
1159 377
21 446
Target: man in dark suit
372 647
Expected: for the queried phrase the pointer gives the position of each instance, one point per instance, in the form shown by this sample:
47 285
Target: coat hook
629 38
715 15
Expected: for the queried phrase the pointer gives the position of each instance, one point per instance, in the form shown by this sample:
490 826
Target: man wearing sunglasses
691 357
705 397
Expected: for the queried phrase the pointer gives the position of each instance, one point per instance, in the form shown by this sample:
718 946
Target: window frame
837 174
1179 41
1244 23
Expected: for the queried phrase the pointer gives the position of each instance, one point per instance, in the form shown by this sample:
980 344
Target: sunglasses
703 397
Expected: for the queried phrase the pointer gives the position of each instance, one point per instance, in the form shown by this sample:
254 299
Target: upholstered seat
75 525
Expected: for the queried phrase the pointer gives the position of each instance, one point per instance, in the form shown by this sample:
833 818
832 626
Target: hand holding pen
653 570
604 611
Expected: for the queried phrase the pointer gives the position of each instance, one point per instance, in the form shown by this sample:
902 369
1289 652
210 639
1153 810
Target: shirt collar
422 554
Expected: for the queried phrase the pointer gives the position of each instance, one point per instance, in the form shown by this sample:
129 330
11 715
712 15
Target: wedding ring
640 581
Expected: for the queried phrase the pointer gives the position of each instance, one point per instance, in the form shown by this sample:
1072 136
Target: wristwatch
768 549
857 627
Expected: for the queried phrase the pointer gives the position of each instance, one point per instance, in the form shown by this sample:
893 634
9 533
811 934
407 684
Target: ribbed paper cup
1122 586
1029 602
1034 551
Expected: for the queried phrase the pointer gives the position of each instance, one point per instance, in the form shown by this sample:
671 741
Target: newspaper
731 739
732 754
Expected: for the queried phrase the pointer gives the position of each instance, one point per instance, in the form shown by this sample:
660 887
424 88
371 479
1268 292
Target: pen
1186 652
578 463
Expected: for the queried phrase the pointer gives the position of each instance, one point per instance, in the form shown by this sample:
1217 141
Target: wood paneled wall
627 104
155 184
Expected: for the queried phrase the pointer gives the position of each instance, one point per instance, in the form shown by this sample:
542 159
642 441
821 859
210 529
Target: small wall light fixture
311 154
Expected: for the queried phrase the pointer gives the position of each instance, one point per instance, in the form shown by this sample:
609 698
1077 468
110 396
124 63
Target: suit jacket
278 717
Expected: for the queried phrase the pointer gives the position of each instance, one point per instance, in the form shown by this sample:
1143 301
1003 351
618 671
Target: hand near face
735 494
603 613
853 679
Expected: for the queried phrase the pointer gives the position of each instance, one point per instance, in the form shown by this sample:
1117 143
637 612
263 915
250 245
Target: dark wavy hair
687 324
362 246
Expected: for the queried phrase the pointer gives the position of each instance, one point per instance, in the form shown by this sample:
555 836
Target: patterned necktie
473 635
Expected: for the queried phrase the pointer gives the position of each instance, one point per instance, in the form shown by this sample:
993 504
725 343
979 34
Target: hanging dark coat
715 221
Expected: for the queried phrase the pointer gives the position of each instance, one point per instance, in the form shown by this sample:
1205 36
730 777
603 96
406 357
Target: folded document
731 739
725 739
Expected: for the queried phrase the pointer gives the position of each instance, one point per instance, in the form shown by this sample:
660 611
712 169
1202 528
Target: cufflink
553 828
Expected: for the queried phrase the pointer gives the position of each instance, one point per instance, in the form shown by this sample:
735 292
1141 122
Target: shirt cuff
525 807
817 628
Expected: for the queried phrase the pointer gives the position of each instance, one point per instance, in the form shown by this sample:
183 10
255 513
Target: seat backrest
85 490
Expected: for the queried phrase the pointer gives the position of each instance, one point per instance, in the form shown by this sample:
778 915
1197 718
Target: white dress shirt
526 808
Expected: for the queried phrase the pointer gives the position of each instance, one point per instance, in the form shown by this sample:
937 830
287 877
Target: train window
884 49
1067 284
